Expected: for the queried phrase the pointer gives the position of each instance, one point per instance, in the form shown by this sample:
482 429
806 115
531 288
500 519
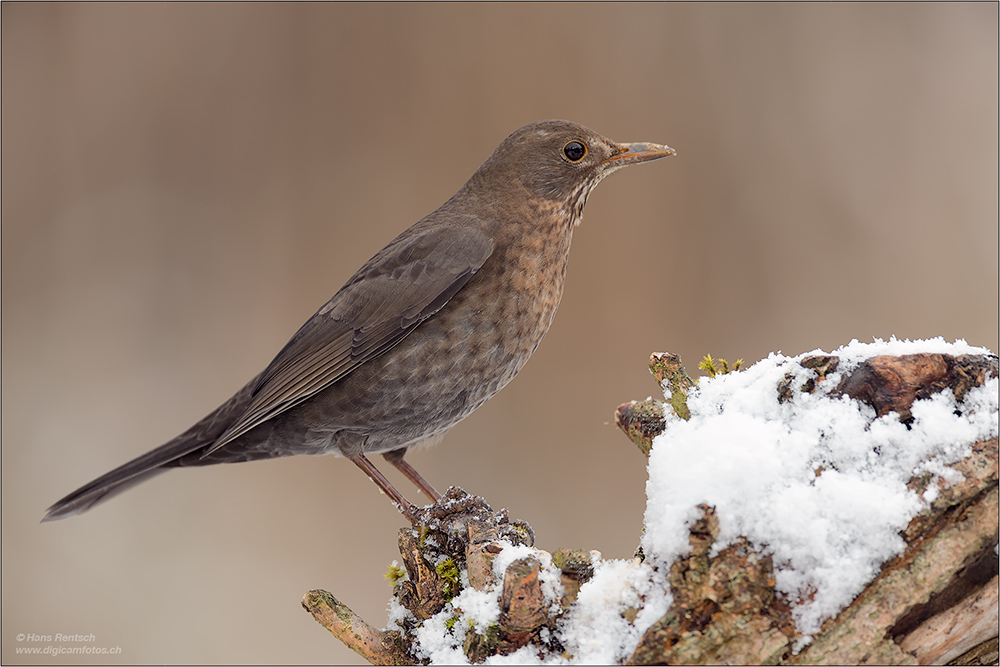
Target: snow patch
817 482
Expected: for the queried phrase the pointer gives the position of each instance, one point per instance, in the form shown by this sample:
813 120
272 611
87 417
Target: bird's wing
404 284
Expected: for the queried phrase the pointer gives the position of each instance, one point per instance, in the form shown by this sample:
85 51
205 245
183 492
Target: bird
423 334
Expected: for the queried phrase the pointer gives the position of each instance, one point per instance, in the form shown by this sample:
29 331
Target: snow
594 630
756 461
817 482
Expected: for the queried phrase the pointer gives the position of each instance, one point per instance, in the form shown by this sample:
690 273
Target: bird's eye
574 151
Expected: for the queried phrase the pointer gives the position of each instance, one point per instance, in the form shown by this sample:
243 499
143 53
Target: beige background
183 185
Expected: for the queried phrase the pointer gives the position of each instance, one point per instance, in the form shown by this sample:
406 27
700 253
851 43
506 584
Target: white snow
817 482
594 631
756 461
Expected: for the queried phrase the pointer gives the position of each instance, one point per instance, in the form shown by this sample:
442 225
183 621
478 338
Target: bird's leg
401 503
395 457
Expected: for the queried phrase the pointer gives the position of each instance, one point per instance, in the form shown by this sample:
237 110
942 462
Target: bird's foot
458 511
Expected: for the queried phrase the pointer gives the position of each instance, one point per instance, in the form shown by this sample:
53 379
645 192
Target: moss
450 575
395 574
669 371
718 366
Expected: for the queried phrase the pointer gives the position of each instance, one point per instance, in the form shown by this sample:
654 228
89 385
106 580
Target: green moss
718 366
669 371
395 574
450 575
678 402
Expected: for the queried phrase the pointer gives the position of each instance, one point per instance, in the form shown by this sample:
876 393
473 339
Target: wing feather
407 282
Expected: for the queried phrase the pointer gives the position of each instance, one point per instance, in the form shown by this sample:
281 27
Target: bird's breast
526 276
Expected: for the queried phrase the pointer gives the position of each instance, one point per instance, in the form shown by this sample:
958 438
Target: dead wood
935 603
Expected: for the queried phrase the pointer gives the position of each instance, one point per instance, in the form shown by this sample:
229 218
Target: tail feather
95 493
122 478
199 437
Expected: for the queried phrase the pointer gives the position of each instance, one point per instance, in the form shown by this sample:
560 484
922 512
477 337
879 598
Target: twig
376 646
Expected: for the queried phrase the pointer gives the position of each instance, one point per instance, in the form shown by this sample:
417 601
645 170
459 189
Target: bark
375 646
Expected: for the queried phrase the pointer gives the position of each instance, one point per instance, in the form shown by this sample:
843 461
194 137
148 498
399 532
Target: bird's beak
638 152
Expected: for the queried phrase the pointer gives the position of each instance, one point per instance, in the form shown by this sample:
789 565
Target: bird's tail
102 488
124 477
199 437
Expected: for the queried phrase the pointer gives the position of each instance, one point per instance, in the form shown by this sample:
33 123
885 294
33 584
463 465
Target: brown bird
428 330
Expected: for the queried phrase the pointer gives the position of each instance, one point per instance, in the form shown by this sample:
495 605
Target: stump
935 603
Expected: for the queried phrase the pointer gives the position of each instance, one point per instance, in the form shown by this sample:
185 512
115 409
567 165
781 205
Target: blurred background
184 184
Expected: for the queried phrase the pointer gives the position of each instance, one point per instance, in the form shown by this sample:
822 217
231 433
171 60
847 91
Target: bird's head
559 162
